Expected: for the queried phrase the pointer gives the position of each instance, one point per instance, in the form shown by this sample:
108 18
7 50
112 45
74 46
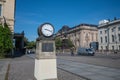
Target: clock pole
45 61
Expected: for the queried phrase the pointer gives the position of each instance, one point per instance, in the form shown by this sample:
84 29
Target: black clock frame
40 30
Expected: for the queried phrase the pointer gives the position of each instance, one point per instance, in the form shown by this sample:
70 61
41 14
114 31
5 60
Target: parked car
85 51
30 51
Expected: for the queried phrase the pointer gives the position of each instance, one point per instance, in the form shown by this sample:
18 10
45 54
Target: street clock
46 29
45 53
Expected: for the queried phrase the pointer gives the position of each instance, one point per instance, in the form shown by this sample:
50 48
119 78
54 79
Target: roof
65 28
84 24
109 23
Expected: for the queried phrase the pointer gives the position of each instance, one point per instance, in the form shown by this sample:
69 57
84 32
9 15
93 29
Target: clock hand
48 30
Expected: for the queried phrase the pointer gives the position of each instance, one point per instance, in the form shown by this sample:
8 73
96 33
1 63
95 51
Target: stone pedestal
45 62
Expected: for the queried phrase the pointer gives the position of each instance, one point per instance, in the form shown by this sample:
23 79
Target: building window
113 38
0 9
101 39
92 36
100 32
119 47
75 34
112 47
106 47
113 29
105 38
119 28
101 47
105 31
96 37
119 37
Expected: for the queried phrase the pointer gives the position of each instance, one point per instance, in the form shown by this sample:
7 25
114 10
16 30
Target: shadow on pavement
17 54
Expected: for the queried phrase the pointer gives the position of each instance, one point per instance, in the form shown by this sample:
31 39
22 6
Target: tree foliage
66 43
70 44
6 44
25 41
1 41
58 43
31 44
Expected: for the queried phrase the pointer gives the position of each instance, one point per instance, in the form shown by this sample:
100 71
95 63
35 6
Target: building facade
109 35
81 35
7 13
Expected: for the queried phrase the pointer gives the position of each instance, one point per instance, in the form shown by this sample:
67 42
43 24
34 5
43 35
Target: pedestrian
72 53
29 51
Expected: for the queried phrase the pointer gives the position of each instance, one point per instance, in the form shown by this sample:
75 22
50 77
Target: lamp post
115 40
87 39
63 40
108 39
62 35
3 24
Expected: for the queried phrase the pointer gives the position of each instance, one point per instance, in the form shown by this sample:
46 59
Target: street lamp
108 39
64 40
115 39
3 24
87 39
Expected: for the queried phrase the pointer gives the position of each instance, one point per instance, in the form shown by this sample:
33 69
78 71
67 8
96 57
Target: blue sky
30 14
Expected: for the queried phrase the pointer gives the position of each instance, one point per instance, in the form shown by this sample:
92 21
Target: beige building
7 13
81 35
109 35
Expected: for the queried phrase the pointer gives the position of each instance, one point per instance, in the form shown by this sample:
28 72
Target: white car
85 51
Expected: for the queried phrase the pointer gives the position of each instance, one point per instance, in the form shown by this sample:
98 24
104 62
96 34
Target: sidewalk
22 68
3 68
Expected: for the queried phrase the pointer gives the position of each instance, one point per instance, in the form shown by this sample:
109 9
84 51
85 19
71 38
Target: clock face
47 30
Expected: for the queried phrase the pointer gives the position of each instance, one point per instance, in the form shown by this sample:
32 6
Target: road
106 60
98 67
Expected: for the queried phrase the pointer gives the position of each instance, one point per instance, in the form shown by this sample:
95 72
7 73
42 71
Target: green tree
6 44
31 44
1 41
70 44
67 43
58 43
25 41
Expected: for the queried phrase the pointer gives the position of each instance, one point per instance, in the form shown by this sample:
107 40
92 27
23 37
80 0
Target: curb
3 70
7 72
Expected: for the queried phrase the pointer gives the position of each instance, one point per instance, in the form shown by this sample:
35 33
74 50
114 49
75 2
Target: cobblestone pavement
23 69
